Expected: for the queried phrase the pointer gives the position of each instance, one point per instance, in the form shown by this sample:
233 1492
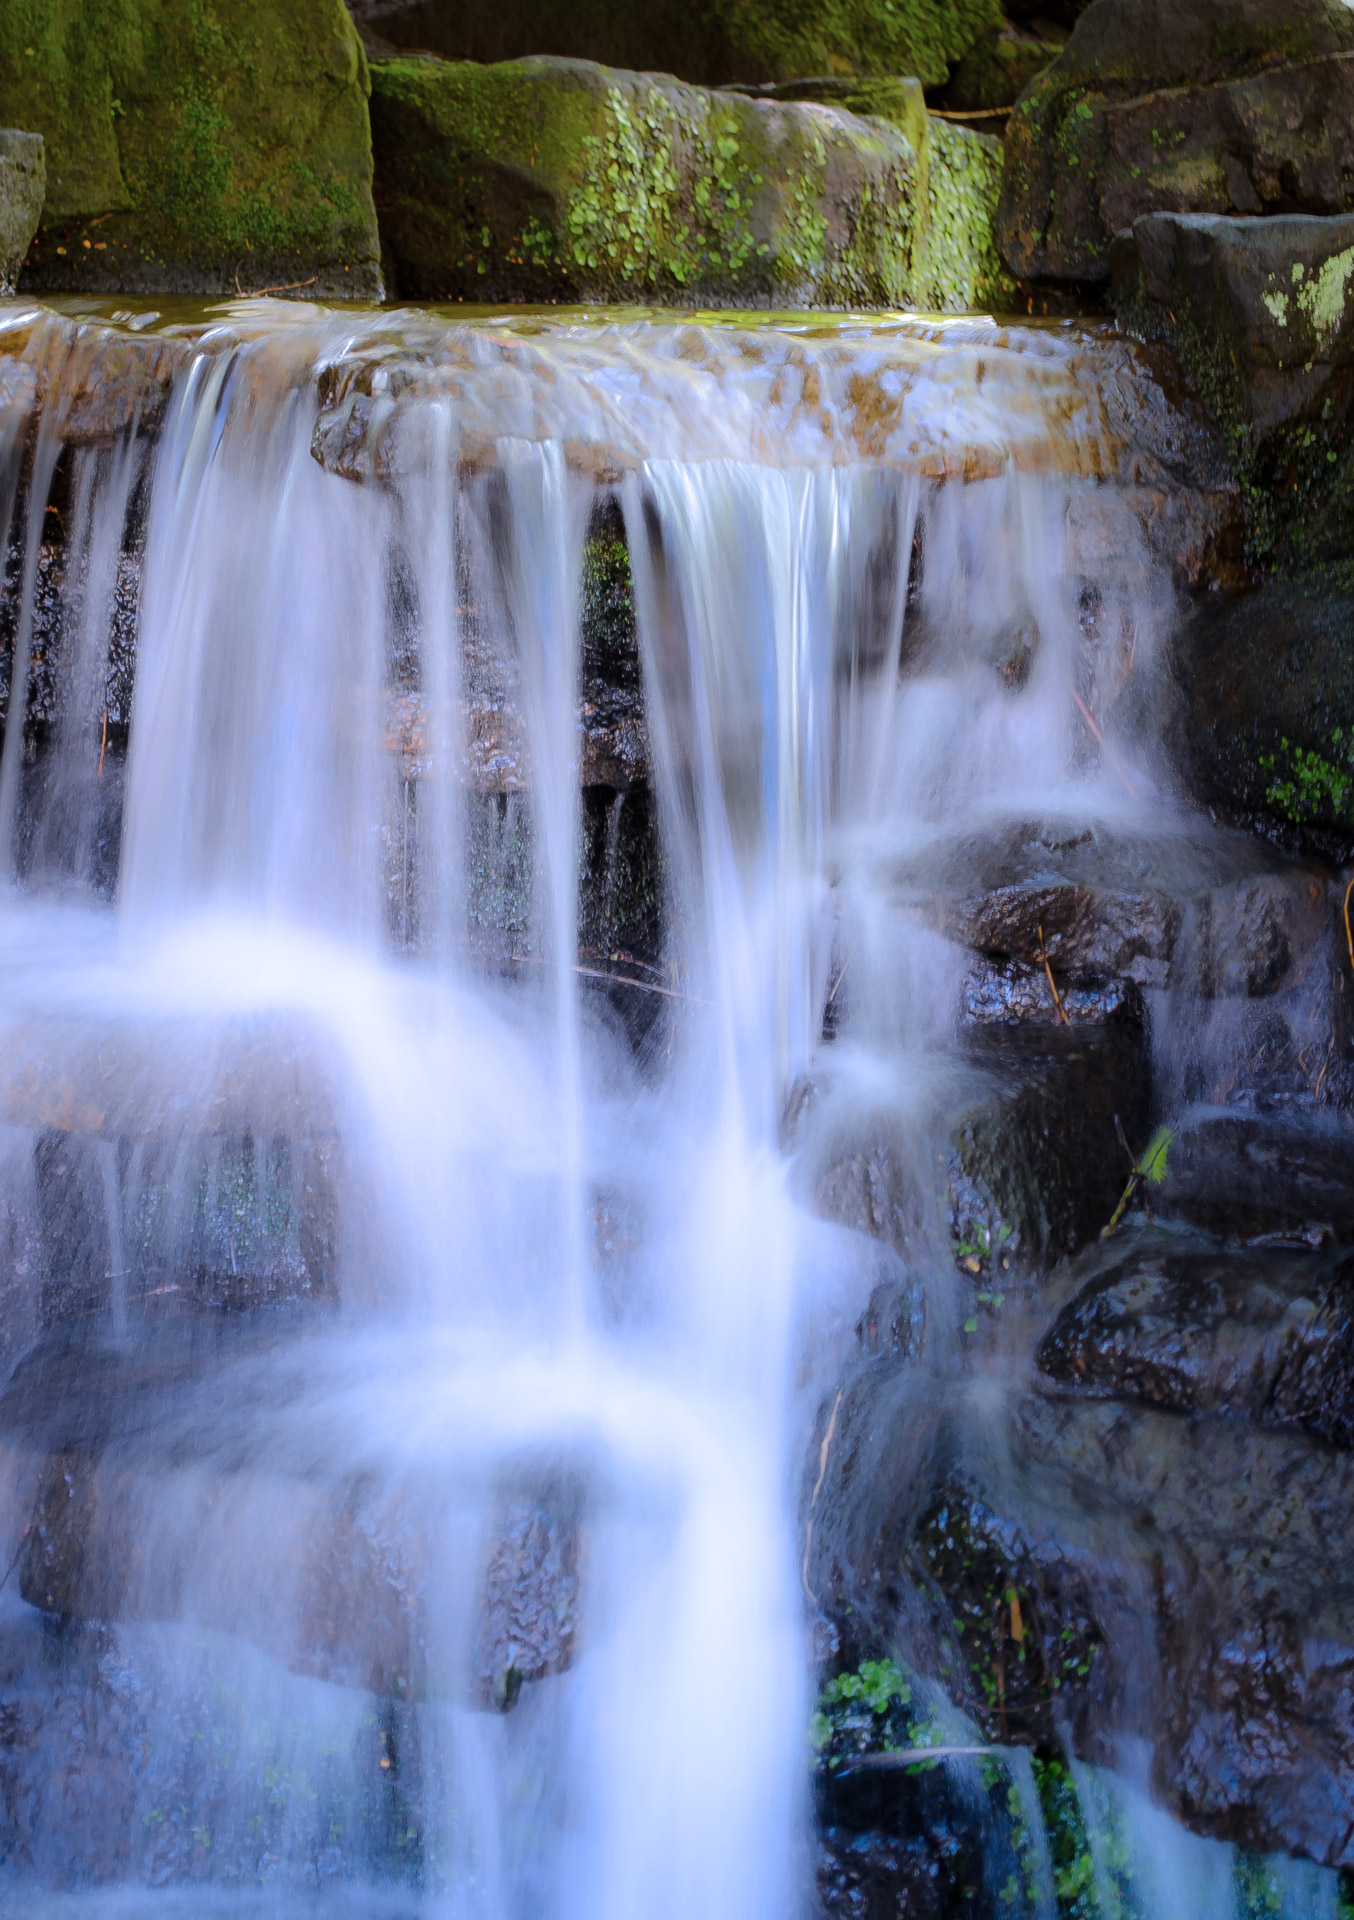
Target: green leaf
1152 1166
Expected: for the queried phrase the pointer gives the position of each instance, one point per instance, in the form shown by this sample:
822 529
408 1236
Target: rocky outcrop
710 43
23 181
548 179
226 147
1206 107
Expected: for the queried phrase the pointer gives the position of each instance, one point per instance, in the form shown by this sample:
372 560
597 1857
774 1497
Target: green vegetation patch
559 180
193 141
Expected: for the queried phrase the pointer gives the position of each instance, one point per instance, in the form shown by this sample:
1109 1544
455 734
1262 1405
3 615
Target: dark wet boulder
1267 734
23 181
1021 1162
1086 1571
1258 1333
1259 1176
709 43
197 150
1206 107
1091 906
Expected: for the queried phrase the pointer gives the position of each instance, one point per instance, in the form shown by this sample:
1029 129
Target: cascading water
417 1325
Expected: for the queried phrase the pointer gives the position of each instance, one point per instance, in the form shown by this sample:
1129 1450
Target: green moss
191 140
959 267
559 180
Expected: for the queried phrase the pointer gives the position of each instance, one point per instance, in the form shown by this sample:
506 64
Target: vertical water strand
870 617
546 521
157 834
429 513
46 453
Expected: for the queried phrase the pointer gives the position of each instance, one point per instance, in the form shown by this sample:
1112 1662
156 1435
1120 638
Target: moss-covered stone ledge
194 146
559 180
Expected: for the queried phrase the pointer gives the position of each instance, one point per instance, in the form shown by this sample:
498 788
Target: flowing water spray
452 1529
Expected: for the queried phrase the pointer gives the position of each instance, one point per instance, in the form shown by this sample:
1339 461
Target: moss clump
193 140
558 180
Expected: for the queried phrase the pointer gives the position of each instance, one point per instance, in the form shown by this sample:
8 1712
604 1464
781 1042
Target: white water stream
540 1273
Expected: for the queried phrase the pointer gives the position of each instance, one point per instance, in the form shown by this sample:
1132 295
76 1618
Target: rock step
137 1504
1259 1332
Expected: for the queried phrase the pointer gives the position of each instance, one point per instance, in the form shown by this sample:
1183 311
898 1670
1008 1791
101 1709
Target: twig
258 293
103 743
1349 937
1105 748
823 1452
612 979
841 975
1052 983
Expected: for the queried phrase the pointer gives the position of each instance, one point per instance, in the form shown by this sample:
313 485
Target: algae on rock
559 180
195 145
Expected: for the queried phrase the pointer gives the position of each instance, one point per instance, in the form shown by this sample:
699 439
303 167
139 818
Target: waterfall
423 1322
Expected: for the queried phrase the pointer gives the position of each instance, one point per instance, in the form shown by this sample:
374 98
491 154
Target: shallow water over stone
594 909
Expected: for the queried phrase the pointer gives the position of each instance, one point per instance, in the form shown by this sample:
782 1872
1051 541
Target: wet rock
94 382
903 1846
1267 727
123 1521
1037 1166
1261 314
1009 993
1026 1159
528 1615
1247 1176
1257 1333
1084 1571
551 179
264 180
1083 930
709 45
1194 108
1096 906
23 182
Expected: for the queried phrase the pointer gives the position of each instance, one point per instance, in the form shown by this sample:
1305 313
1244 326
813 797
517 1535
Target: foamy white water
284 1009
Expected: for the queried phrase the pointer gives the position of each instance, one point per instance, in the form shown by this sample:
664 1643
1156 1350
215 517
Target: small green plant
1314 787
862 1712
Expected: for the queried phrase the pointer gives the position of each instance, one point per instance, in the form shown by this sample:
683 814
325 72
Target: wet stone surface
1259 1333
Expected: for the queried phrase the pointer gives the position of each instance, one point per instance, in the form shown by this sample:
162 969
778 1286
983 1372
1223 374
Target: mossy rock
195 145
710 42
1261 314
560 180
1204 106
